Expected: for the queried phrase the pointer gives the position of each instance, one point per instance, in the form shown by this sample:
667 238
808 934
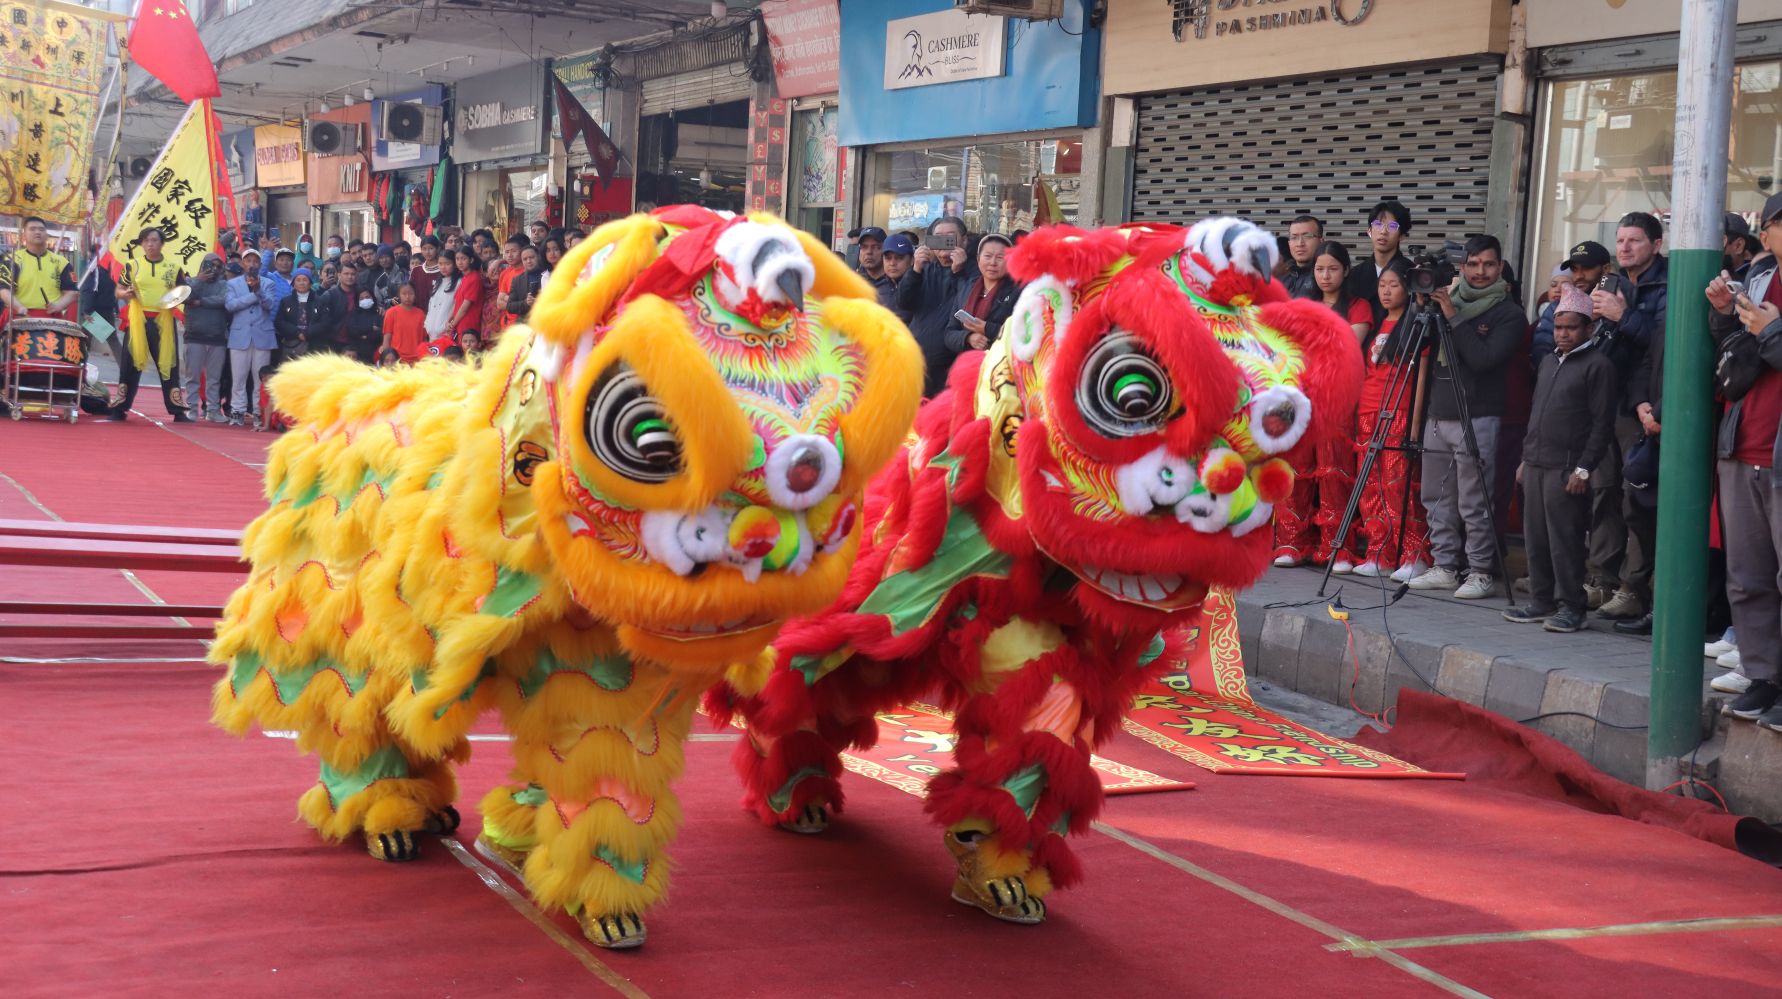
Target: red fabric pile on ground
1440 733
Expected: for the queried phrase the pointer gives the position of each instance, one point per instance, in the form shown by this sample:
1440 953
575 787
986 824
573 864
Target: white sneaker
1729 660
1438 578
1719 647
1343 567
1730 682
1370 569
1409 571
1286 561
1478 586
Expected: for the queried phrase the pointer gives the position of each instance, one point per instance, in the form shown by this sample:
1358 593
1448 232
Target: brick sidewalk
1466 650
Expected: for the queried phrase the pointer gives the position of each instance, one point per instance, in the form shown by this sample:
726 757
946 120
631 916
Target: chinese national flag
576 121
164 41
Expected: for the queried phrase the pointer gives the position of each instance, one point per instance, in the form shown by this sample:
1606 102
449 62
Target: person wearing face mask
361 330
306 253
403 254
302 319
335 247
252 300
207 339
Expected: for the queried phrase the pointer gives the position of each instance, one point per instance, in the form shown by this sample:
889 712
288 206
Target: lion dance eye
628 429
1123 391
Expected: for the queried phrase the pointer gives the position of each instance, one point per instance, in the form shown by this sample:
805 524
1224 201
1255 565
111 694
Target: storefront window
816 174
995 188
503 201
1608 152
694 157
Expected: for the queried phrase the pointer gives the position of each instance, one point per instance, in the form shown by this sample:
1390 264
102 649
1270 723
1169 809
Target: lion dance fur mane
1057 517
581 532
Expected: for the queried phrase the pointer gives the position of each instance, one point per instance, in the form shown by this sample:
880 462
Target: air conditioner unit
1026 10
135 168
333 138
937 178
416 123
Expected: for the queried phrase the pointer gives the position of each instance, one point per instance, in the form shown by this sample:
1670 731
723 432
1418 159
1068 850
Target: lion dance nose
802 471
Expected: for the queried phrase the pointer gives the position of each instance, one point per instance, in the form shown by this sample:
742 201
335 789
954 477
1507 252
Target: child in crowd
1569 430
453 354
1391 513
405 327
388 358
471 342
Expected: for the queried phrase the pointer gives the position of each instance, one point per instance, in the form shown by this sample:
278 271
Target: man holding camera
941 269
1487 326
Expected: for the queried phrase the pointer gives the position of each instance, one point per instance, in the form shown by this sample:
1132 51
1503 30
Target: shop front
804 37
339 174
1605 110
591 79
279 172
405 152
500 123
954 114
1270 109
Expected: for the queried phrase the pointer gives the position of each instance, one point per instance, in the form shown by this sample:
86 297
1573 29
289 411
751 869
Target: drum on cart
44 367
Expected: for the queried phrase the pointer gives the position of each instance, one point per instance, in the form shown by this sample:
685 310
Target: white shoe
1409 571
1343 567
1729 660
1438 578
1288 561
1478 586
1730 682
1719 647
1370 569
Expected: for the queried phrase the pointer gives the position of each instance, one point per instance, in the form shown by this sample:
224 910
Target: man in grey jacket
252 302
207 340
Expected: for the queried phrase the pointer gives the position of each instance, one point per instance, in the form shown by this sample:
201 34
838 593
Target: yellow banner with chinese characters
177 197
52 61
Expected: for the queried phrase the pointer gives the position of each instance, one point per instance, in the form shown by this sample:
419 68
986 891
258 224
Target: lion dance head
719 391
1147 404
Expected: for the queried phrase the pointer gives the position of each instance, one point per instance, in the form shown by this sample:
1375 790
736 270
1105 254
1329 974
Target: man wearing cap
941 273
900 251
1569 428
207 339
1740 246
279 277
252 300
872 264
1748 329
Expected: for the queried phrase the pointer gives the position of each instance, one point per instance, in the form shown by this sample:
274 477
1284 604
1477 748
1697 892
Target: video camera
1431 272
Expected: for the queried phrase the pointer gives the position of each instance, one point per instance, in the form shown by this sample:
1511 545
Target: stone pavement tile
1464 673
1571 691
1515 687
1277 659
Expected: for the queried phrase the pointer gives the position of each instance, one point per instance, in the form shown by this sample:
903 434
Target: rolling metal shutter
717 85
1332 146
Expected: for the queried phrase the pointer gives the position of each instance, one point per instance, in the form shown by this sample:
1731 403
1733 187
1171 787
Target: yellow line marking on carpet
29 498
1709 925
1288 912
524 907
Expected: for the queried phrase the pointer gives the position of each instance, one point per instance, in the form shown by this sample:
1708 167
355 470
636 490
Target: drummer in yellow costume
148 278
37 281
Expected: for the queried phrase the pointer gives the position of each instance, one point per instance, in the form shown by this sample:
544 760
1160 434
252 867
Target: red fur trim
1333 374
1274 481
972 444
1231 283
1066 252
762 776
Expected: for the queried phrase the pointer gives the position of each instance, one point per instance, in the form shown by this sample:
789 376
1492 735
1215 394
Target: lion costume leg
587 820
389 794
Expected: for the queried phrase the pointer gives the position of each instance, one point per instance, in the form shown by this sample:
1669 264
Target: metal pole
1685 483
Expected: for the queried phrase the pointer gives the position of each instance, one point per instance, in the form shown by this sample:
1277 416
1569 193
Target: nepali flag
578 122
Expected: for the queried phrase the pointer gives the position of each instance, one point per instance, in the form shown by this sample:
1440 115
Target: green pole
1685 481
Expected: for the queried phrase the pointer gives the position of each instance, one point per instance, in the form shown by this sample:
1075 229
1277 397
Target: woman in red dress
1308 521
1391 510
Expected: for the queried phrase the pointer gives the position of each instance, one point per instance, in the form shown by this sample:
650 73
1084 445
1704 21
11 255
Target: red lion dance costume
1060 513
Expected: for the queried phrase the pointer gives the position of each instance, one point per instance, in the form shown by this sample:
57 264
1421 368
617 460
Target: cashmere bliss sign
944 47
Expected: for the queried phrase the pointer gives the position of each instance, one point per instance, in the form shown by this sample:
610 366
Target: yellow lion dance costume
582 532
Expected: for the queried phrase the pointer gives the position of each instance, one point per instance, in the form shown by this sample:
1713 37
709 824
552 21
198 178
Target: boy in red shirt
404 326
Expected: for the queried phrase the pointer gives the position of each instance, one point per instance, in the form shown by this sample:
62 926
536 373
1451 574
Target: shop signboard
804 37
932 72
500 114
278 155
238 158
943 47
915 211
392 155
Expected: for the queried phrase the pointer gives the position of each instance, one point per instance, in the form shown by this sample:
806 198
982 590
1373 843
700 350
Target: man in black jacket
1303 237
1569 434
941 272
207 340
1487 325
361 329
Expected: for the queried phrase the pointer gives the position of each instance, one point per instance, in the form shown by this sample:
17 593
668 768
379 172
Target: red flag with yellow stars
164 41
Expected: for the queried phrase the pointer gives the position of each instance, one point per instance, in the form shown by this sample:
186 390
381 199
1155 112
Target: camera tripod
1423 323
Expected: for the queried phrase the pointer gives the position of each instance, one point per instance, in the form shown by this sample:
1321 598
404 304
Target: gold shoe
503 856
396 846
1005 898
622 931
811 821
